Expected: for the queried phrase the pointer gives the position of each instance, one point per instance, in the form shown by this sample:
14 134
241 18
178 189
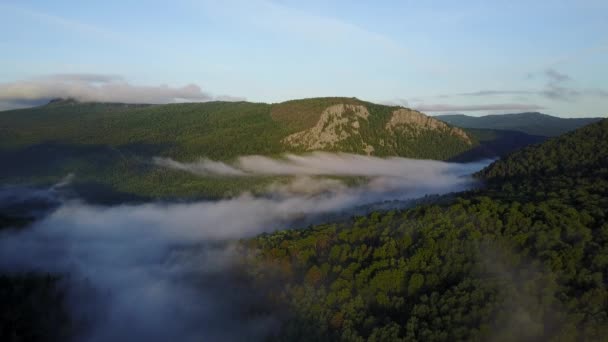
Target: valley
323 243
303 171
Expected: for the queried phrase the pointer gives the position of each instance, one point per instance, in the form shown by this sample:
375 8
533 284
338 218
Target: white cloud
323 164
98 88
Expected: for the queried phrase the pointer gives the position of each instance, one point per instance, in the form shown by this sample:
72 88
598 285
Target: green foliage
302 114
111 146
525 259
575 155
521 260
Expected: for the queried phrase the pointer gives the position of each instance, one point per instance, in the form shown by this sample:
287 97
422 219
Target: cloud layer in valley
392 178
98 88
160 271
412 171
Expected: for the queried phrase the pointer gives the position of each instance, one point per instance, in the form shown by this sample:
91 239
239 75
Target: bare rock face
344 121
414 121
337 123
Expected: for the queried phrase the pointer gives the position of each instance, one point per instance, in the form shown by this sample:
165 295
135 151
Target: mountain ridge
113 145
533 123
283 119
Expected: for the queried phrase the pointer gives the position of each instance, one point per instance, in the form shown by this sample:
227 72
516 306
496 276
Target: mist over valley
269 170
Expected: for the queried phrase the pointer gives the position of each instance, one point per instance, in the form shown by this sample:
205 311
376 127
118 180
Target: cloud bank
98 88
323 164
161 271
392 178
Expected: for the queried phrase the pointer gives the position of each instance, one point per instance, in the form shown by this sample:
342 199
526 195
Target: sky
472 57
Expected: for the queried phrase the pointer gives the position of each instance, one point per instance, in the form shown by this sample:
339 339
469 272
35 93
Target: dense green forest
216 130
536 124
576 154
109 147
524 259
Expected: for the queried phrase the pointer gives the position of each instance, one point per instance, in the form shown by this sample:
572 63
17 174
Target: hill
523 260
536 124
222 130
573 154
110 146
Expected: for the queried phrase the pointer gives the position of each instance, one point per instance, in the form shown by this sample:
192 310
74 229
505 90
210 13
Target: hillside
222 130
523 260
109 146
536 124
496 143
573 154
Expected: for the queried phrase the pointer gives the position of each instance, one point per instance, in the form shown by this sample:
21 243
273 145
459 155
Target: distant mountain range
530 123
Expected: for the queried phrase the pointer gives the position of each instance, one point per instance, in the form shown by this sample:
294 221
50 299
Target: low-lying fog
154 271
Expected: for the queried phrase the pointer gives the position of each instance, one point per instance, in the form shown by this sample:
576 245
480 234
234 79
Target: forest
523 259
303 171
109 147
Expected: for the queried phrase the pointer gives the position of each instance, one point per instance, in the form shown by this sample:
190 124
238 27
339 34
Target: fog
324 163
161 271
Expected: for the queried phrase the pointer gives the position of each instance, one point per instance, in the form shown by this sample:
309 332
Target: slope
523 260
574 154
111 146
494 143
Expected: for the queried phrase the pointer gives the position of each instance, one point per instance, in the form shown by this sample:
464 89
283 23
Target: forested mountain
524 259
110 146
574 154
536 124
222 130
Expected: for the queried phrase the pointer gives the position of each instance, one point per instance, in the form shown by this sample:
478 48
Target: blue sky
474 57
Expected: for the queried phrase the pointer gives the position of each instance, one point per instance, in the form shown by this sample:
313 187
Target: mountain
523 259
110 146
222 130
572 154
536 124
